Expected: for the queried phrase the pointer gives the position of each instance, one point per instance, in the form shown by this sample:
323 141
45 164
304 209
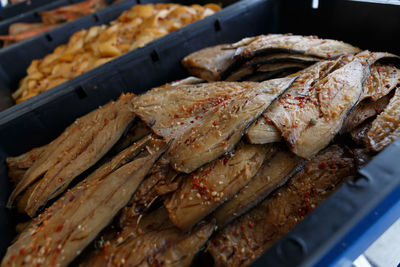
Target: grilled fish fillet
205 121
274 172
71 223
385 128
207 188
79 147
248 237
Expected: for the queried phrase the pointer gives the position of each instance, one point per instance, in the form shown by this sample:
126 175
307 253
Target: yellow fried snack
88 49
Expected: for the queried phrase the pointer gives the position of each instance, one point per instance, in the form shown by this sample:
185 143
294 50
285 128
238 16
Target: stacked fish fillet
88 49
231 166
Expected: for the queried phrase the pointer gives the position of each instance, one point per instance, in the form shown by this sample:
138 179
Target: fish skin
205 121
275 171
307 45
244 240
209 63
80 146
76 218
207 188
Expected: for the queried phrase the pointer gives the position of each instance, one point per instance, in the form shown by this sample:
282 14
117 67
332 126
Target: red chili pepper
59 228
322 165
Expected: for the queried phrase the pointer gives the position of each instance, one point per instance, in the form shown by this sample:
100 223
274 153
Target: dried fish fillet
385 128
307 45
79 147
205 120
294 105
17 166
181 254
210 62
72 222
210 186
274 172
248 237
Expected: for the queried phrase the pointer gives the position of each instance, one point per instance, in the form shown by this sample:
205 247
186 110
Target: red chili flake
191 121
176 116
150 199
331 171
171 132
322 165
59 228
215 123
12 257
105 121
376 109
225 161
60 180
247 63
219 70
242 227
387 85
198 117
182 122
72 197
333 165
212 189
34 220
196 145
223 143
22 251
186 194
294 125
37 264
328 54
183 108
268 120
381 69
251 224
223 248
311 88
235 233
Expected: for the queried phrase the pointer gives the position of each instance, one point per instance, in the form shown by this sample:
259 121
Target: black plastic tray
15 59
328 231
10 11
34 15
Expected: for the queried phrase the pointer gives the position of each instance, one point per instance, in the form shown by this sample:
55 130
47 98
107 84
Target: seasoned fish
309 123
248 237
79 147
294 105
110 241
181 254
263 132
363 111
236 61
17 166
274 172
209 63
160 181
205 121
307 45
210 186
386 127
381 80
72 222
